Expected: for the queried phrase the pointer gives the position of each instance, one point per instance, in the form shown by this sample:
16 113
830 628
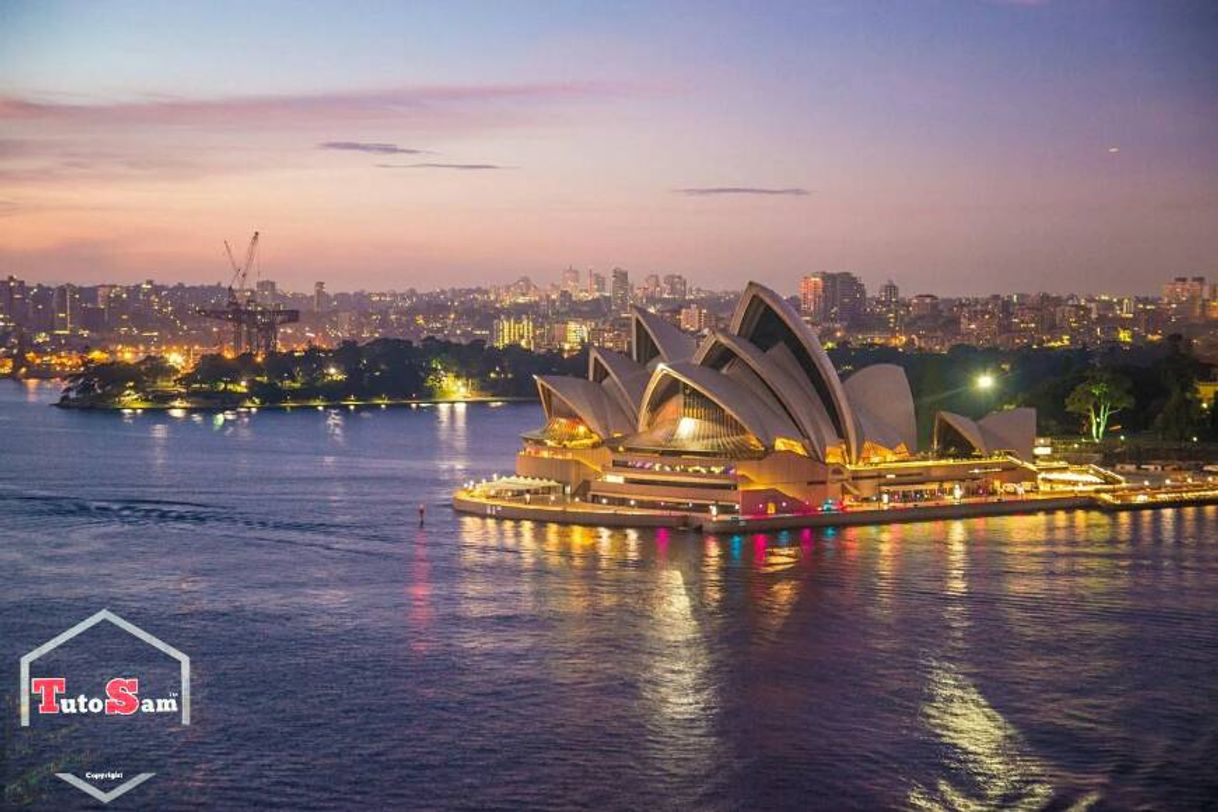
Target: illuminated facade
508 331
754 419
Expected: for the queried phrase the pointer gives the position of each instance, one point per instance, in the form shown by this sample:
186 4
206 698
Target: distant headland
382 372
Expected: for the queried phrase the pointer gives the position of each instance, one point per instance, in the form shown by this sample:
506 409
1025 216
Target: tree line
1089 392
1076 391
386 368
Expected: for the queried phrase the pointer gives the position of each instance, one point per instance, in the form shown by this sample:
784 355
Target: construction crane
241 272
255 324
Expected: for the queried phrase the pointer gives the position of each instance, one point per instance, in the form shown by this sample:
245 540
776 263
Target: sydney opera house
755 420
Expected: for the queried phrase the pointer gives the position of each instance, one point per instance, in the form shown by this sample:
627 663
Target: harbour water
345 657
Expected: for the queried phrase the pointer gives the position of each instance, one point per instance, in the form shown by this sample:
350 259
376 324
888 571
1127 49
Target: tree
1179 416
118 381
1102 394
214 372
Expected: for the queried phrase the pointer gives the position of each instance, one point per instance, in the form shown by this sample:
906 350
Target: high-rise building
890 308
67 308
508 331
13 300
695 319
611 336
574 335
1182 289
41 301
651 287
924 305
620 292
812 296
320 300
596 284
844 297
570 281
108 296
1186 297
675 286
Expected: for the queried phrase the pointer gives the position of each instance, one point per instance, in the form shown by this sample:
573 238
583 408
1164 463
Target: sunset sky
954 146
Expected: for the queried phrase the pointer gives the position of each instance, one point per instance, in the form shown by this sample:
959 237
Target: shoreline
589 515
319 403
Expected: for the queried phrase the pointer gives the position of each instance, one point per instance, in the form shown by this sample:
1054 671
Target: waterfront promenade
565 511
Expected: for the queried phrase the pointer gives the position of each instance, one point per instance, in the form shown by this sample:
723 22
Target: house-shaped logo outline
85 625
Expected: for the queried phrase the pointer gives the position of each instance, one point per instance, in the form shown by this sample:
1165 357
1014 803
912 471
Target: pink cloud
292 109
58 141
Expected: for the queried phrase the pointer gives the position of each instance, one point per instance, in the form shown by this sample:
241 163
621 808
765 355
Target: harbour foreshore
197 405
583 513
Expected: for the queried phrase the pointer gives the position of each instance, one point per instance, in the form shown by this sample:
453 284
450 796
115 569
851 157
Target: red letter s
121 697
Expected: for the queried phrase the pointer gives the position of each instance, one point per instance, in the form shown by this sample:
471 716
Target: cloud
55 163
442 166
51 140
707 191
373 147
412 103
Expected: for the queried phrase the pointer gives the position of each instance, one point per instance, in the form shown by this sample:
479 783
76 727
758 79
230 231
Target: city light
985 381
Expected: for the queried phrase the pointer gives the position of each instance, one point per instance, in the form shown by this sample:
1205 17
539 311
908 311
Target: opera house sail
754 419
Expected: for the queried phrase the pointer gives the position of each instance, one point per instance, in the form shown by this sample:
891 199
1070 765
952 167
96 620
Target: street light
985 381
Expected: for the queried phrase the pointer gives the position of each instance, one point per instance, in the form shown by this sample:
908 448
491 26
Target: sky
954 146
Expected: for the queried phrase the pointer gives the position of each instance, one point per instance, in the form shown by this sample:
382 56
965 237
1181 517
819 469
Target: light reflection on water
990 766
1034 602
348 655
677 685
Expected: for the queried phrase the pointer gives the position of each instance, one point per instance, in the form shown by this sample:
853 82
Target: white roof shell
756 301
883 404
759 419
1011 430
671 344
625 379
593 404
792 394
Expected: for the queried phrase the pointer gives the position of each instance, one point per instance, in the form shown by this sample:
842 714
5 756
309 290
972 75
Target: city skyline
957 148
594 283
549 282
56 330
